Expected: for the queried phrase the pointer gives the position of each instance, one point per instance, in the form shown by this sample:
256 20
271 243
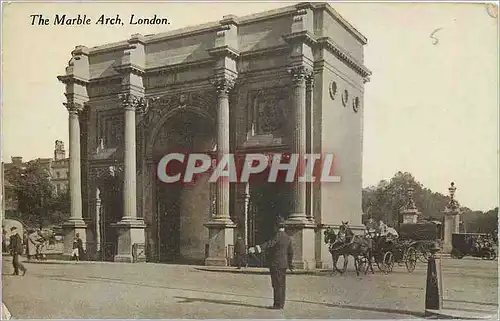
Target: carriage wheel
411 259
493 255
388 262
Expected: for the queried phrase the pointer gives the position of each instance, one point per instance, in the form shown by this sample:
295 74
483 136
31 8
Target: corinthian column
223 87
130 229
220 226
75 224
299 75
75 176
130 103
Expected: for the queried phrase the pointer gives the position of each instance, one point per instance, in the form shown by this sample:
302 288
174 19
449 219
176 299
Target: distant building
57 167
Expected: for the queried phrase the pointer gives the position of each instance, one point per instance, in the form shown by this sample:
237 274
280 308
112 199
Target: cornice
104 80
335 15
180 66
224 51
340 53
117 46
301 36
181 33
270 51
130 69
70 79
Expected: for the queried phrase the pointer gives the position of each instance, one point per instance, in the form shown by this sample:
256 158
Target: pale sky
431 110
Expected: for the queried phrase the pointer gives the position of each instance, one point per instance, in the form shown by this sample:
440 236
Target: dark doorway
111 212
168 199
267 202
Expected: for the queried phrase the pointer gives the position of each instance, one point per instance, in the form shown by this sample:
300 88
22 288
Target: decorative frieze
159 106
104 89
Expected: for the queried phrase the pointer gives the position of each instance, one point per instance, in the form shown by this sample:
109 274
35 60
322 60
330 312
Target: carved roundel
355 104
345 98
333 90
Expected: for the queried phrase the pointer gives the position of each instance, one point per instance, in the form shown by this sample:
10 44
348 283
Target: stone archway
181 210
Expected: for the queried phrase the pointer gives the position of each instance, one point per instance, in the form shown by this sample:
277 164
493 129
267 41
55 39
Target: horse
333 245
347 243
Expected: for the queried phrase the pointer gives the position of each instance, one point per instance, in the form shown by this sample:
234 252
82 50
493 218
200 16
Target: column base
302 233
220 236
131 240
70 228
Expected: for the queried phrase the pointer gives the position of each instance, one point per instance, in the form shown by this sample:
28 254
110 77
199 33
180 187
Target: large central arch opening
182 209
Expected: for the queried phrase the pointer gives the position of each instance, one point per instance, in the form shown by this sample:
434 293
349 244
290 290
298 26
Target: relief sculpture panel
111 131
268 111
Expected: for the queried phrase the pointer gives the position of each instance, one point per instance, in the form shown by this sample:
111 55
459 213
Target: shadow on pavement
333 305
373 309
238 303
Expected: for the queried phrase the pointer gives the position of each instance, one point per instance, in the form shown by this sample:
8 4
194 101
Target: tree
479 222
35 193
385 201
60 209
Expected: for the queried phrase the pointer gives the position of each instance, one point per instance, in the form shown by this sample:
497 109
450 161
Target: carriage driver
371 227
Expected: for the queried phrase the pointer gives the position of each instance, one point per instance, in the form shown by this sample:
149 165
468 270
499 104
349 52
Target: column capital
300 74
132 102
73 107
223 85
310 80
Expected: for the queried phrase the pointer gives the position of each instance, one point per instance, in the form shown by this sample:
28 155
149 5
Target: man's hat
280 222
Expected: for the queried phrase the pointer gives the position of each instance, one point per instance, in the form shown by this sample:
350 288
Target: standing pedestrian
4 240
240 252
16 249
77 248
280 255
33 241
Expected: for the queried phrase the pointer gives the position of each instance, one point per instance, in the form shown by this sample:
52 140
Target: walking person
240 252
280 254
16 249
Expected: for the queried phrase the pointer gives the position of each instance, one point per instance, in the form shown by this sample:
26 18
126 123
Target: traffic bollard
432 292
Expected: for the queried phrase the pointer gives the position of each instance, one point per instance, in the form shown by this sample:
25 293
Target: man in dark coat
240 252
78 251
280 255
16 249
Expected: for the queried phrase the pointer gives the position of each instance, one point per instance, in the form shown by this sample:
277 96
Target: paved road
146 290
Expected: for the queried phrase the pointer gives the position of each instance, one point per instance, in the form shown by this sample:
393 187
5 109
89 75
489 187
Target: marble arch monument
289 80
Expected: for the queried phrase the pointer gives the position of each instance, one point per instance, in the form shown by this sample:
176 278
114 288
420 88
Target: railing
255 260
106 252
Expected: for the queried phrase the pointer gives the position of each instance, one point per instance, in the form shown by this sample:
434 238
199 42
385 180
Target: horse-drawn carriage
388 251
412 244
383 246
473 244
